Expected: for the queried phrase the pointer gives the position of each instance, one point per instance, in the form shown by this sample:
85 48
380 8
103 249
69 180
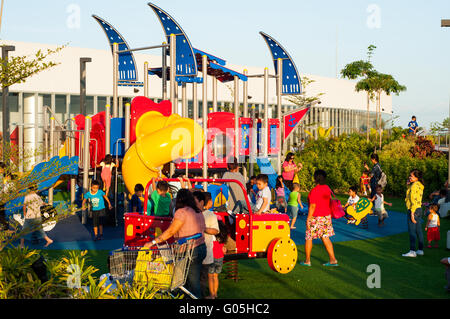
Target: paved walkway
71 234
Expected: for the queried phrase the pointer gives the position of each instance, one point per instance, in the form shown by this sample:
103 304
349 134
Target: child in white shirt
352 200
379 202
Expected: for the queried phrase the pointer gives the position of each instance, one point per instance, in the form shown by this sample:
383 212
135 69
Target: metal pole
194 101
127 125
115 78
236 117
448 148
52 153
245 94
173 69
146 79
214 93
253 140
205 116
164 72
87 138
184 100
107 129
72 153
279 106
265 130
83 62
5 110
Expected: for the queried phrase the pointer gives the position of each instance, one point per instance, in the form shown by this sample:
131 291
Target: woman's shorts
320 226
216 266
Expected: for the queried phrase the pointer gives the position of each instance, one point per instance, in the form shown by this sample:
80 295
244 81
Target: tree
379 83
362 69
18 68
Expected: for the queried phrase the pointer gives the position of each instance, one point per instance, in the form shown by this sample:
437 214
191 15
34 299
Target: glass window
74 105
101 102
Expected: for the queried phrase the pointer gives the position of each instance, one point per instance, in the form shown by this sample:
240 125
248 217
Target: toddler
433 226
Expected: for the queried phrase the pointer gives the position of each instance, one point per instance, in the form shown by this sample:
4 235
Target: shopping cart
165 266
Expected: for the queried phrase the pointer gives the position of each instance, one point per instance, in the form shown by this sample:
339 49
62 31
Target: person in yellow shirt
413 201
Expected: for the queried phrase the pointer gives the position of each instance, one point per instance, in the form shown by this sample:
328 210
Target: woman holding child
289 170
318 222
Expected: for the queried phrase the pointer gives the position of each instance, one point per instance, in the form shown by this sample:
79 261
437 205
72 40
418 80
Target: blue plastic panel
209 56
185 59
127 64
291 83
225 74
245 136
117 146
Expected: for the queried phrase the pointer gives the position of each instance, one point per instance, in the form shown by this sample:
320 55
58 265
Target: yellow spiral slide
159 139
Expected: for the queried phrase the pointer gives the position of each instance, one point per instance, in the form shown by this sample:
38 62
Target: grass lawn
421 277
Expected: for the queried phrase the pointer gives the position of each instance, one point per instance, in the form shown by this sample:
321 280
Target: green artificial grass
401 277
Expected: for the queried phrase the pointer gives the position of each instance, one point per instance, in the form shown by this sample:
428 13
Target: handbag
336 207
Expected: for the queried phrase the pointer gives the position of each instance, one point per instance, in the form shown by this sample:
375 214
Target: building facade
57 91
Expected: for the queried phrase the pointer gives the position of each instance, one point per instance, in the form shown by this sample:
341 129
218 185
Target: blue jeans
193 277
415 230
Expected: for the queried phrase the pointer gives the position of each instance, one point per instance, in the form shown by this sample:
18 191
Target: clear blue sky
411 45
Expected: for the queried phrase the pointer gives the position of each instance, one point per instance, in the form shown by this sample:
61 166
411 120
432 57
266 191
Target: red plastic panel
274 136
242 233
97 133
220 138
141 105
140 229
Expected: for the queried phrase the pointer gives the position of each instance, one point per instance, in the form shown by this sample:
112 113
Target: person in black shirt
375 174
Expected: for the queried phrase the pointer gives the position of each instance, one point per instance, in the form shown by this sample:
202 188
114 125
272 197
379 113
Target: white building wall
64 79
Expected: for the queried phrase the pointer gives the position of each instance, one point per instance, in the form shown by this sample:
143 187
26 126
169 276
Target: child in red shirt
365 180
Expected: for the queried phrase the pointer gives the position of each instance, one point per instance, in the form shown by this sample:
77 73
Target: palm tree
379 83
362 69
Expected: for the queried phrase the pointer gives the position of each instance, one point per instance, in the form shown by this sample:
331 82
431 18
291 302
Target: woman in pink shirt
289 170
187 221
318 222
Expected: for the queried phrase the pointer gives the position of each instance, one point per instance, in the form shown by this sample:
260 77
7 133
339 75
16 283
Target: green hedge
343 159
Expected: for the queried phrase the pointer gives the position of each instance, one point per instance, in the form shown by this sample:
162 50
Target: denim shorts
33 226
216 266
292 211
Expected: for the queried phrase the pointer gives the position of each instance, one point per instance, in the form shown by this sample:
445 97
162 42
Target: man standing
235 192
413 126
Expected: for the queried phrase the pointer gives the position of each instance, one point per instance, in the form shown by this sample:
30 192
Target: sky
410 43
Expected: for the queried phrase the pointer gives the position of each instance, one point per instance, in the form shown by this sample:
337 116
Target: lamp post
83 62
445 23
5 92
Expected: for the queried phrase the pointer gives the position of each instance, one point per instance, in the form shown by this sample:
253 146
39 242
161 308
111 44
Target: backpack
382 181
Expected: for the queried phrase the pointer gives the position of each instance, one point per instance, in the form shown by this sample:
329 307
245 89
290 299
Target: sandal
302 263
331 265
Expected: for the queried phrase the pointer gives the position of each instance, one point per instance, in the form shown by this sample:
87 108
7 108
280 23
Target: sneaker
419 252
411 253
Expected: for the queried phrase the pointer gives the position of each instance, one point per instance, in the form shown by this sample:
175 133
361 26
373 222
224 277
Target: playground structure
144 137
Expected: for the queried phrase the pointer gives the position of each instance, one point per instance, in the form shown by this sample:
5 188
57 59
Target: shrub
343 159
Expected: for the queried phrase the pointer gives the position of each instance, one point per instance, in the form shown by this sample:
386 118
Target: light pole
5 92
83 62
446 23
